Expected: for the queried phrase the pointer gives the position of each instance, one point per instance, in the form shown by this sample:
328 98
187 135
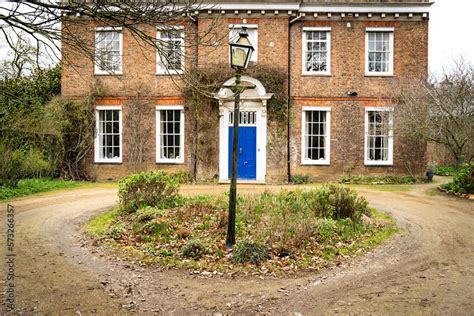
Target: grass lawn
277 234
384 187
32 186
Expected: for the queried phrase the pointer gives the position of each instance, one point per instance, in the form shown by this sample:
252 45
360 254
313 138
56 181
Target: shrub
194 249
248 252
334 201
156 189
463 180
444 171
182 177
301 179
18 164
25 129
290 220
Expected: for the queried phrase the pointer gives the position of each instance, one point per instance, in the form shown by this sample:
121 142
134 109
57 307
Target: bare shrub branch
138 125
440 110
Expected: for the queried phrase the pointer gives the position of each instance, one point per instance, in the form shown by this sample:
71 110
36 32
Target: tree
26 139
45 22
22 60
440 110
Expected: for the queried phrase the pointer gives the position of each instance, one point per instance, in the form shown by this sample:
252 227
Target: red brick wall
347 141
138 68
348 59
347 73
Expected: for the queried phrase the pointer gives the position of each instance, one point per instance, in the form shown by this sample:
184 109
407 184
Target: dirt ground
428 269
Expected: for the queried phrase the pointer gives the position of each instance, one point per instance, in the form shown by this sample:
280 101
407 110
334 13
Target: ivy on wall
203 113
73 123
138 119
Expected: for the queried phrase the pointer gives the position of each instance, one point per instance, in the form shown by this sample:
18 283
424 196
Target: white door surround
250 100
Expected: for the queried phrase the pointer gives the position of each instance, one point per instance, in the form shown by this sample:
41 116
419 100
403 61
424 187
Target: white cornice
320 7
255 6
406 8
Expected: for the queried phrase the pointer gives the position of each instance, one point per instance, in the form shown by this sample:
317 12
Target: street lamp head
241 51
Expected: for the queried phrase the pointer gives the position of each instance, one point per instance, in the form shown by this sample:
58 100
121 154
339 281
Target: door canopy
257 93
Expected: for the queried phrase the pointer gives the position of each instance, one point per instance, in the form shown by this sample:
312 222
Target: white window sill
317 74
169 72
378 163
170 161
378 74
315 163
106 161
108 73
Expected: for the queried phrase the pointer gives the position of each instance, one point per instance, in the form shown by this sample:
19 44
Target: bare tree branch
440 110
50 24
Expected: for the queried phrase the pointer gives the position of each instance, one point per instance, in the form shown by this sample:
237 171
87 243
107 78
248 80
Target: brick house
342 60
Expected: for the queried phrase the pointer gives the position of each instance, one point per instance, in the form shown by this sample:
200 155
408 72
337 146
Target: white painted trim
97 70
317 28
353 7
223 143
366 8
259 88
379 108
391 58
379 29
108 28
326 161
388 162
255 6
169 27
316 108
179 160
261 162
108 107
164 70
97 158
303 51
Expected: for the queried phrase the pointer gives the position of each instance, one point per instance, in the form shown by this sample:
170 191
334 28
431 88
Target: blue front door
246 152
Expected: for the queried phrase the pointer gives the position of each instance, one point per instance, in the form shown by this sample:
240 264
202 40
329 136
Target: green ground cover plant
277 233
31 186
301 179
463 181
444 171
376 179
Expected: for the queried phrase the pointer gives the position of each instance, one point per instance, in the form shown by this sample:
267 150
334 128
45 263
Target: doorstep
243 182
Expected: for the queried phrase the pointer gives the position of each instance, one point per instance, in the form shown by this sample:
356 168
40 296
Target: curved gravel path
428 269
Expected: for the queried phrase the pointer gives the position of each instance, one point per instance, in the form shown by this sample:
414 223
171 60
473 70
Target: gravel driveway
428 269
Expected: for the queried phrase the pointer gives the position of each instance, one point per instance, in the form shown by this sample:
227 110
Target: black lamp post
240 54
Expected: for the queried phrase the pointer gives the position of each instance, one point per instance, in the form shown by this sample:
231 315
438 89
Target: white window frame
179 160
389 161
304 50
253 41
97 69
164 70
390 30
327 159
97 158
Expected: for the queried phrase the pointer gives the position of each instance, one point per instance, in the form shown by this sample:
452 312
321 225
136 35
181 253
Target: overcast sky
451 32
